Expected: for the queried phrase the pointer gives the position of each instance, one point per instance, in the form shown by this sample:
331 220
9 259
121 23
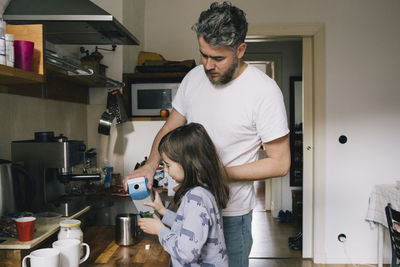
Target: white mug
70 252
45 257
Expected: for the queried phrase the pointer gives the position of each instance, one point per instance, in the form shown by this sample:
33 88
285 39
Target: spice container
70 229
9 49
2 42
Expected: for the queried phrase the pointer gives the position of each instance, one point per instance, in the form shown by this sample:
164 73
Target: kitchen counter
12 250
105 252
42 232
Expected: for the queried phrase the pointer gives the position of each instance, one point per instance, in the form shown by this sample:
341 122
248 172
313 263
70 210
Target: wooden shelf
58 84
148 119
13 76
152 77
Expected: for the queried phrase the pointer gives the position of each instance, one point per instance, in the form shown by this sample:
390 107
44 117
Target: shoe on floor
292 239
282 216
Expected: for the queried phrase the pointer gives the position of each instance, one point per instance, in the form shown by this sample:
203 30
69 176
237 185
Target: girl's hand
151 225
157 203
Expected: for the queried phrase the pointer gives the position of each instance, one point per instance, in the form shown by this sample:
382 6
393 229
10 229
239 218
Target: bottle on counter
107 181
9 49
2 42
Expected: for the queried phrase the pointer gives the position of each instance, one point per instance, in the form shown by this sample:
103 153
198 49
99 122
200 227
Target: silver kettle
15 193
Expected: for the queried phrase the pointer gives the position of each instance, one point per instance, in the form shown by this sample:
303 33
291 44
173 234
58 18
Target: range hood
70 21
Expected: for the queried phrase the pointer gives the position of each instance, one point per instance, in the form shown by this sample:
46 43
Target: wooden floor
270 237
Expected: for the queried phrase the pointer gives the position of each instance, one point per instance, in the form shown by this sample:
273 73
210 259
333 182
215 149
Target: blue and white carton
171 184
140 194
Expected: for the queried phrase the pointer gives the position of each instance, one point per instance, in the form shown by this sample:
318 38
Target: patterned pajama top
196 236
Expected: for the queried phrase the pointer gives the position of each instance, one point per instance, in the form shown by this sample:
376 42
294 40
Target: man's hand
151 225
145 171
148 170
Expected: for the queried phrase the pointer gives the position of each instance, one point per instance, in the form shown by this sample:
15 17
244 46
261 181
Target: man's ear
240 50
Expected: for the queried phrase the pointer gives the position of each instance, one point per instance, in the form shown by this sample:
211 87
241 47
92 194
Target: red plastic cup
23 54
25 228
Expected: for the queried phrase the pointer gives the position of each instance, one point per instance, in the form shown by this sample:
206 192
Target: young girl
195 236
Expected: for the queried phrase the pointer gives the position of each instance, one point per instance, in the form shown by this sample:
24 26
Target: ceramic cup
25 228
70 252
45 257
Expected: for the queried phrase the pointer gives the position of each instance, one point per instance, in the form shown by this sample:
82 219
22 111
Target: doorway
314 125
280 59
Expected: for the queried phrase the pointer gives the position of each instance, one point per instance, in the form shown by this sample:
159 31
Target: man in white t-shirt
241 108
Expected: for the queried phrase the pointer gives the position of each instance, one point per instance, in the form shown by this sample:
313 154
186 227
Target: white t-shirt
239 117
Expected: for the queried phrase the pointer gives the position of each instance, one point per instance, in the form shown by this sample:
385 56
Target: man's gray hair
222 25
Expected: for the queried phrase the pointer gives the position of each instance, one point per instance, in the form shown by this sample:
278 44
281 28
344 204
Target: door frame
314 123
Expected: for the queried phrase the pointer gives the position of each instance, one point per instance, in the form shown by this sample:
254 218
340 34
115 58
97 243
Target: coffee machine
51 161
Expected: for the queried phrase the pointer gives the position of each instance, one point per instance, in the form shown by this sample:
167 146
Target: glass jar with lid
70 229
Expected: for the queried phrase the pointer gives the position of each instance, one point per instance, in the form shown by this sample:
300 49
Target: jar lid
70 223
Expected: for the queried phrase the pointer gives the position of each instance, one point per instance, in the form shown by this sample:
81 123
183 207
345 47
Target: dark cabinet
296 170
296 131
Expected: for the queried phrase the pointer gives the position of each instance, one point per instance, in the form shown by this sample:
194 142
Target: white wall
139 136
3 5
362 64
22 116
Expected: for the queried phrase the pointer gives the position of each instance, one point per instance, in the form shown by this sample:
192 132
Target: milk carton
141 194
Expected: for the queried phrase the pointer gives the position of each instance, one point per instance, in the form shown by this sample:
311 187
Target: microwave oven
148 99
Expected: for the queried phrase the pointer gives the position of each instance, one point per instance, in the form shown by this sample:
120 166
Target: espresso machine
51 161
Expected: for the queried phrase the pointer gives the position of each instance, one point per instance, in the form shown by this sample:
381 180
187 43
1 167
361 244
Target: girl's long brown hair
192 148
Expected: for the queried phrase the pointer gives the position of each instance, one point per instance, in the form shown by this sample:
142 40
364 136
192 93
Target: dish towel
381 195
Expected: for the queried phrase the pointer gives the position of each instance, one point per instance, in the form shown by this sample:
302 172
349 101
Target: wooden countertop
105 252
43 231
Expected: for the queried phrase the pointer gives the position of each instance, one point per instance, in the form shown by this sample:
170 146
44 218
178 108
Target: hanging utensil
116 107
105 123
115 110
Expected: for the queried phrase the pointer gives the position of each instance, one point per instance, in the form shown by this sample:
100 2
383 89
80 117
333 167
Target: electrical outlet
341 238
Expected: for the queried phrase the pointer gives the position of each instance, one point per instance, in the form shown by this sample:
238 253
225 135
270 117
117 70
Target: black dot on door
342 139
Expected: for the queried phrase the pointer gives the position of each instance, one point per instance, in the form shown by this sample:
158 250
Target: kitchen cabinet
296 131
296 171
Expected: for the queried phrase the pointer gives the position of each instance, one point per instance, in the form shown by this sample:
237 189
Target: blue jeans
237 232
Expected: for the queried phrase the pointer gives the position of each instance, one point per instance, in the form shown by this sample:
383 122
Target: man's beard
225 77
